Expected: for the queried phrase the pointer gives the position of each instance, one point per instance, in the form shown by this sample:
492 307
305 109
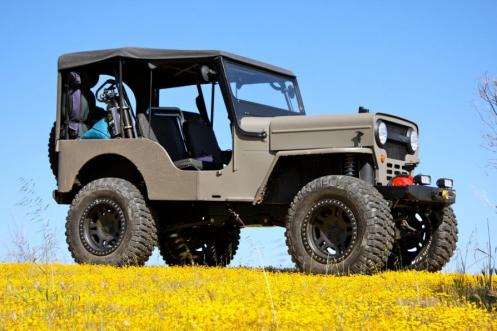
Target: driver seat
202 141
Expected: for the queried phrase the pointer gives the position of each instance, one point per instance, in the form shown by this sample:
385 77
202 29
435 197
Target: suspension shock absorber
350 165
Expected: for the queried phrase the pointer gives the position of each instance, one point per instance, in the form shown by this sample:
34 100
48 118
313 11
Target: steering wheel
104 96
277 86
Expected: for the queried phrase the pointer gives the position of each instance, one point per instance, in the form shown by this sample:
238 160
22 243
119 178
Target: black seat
202 141
166 129
81 111
76 107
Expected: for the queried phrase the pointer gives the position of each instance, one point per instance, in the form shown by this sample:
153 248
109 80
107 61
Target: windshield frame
277 111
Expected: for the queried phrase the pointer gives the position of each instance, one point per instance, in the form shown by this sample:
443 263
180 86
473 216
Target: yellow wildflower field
54 297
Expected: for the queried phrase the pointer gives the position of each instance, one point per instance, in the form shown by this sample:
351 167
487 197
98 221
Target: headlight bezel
381 126
412 134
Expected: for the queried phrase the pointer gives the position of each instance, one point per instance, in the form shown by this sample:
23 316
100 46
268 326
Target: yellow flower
59 297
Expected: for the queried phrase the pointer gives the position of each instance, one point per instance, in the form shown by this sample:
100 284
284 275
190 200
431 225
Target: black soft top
72 60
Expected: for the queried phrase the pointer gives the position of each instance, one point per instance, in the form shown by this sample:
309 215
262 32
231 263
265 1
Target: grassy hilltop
77 297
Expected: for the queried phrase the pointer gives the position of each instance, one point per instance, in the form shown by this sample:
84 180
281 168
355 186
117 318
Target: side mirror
207 73
238 84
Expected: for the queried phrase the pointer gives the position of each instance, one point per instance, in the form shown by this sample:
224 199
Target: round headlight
413 140
381 133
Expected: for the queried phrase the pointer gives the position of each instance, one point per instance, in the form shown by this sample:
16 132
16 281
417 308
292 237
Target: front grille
394 169
397 128
396 150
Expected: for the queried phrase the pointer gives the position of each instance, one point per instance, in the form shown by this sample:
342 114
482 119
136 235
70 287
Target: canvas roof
73 60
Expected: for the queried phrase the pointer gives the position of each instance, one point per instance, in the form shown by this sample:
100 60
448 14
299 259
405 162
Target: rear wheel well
292 172
111 165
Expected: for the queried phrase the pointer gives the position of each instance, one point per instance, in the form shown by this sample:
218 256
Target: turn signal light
402 181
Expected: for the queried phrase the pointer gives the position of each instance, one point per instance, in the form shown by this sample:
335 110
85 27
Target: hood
313 132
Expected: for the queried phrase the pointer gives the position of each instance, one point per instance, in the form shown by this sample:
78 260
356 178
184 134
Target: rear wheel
109 223
427 240
339 225
207 245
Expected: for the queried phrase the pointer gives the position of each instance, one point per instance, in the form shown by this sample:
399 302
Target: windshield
263 94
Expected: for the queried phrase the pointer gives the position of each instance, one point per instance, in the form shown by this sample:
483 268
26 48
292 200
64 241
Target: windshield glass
263 94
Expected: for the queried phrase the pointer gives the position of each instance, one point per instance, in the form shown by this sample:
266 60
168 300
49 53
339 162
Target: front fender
259 197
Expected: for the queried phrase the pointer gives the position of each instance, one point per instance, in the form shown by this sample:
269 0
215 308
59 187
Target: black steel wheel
109 223
331 230
426 239
102 226
339 225
414 231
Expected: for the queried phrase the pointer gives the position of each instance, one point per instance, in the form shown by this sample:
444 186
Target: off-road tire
136 242
53 156
439 248
375 227
219 245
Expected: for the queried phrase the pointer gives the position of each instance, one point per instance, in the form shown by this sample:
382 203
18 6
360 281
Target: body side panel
163 180
241 178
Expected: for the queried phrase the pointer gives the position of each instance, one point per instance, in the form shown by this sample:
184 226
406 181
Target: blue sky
420 60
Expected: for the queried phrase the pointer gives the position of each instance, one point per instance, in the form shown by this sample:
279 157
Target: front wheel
339 225
427 239
109 223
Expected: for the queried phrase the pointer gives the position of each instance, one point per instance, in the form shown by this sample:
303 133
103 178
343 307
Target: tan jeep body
253 160
343 185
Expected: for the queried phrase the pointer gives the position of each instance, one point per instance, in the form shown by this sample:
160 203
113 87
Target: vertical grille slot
395 149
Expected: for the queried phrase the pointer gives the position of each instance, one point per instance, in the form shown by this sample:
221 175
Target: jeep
136 153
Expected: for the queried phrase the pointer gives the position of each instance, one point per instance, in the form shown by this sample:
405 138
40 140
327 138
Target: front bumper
418 195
